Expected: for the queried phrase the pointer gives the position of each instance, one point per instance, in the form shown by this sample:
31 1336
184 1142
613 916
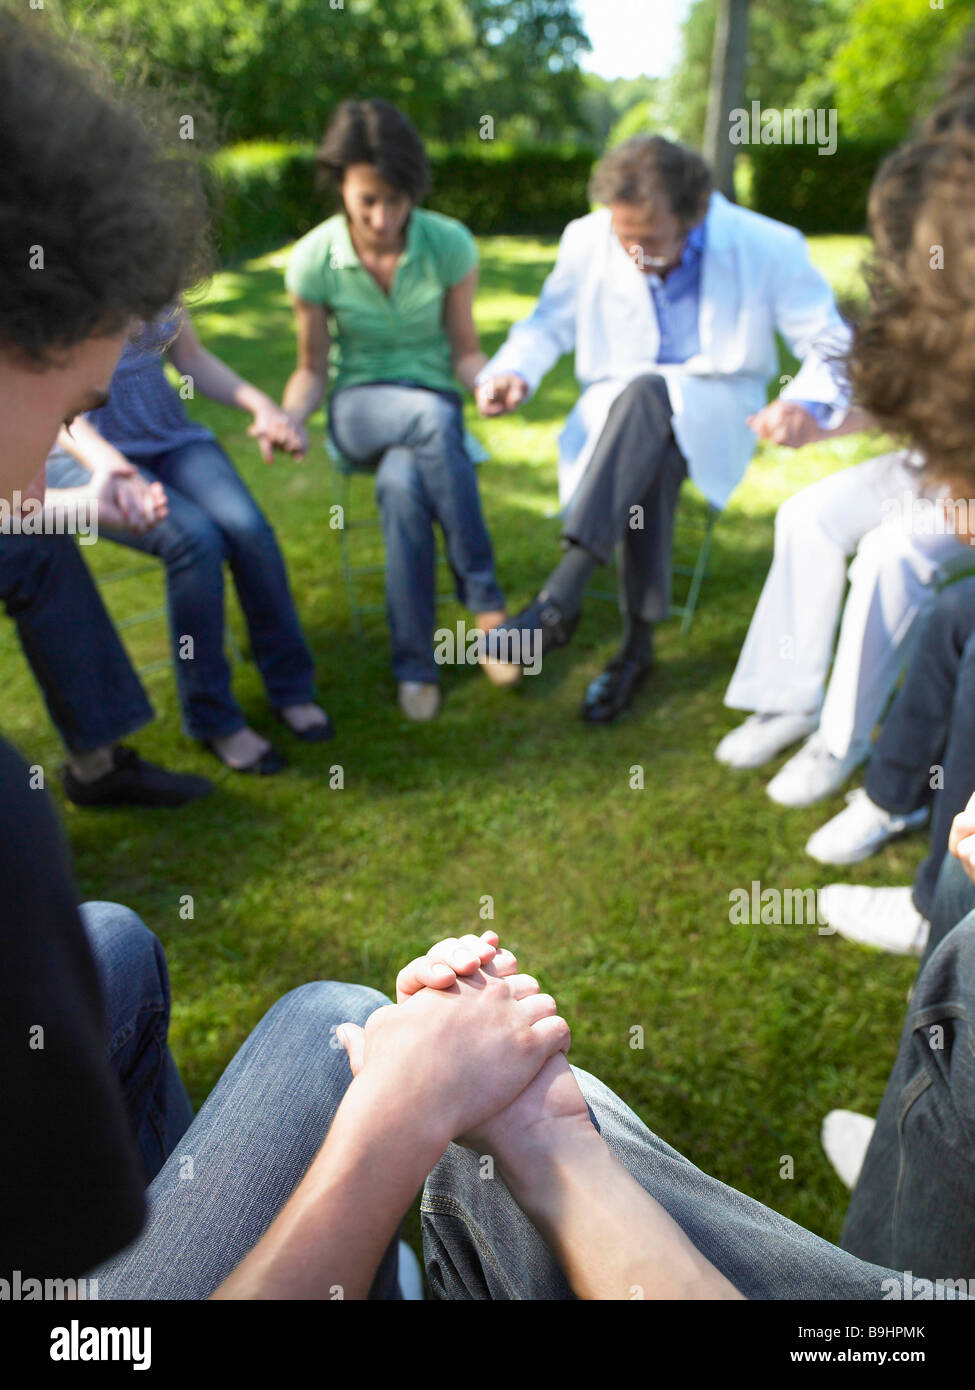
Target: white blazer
756 277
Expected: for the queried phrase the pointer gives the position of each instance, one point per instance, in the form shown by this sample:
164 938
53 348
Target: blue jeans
216 1182
932 723
415 438
212 519
91 691
228 1172
914 1203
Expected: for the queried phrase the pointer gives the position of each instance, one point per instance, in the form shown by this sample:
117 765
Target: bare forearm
303 394
855 420
221 383
87 447
467 367
612 1239
328 1240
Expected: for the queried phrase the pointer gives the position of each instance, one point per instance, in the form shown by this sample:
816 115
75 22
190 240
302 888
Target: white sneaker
860 830
409 1274
845 1137
761 737
419 700
813 773
881 917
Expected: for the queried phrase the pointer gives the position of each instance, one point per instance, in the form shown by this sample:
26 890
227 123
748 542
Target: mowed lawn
617 898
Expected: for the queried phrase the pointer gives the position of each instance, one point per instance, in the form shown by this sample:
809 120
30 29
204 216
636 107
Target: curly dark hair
912 364
636 171
374 132
99 186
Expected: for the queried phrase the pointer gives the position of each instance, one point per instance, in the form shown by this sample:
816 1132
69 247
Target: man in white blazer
670 297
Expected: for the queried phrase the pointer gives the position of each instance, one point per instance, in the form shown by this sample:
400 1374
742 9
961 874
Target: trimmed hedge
814 192
265 194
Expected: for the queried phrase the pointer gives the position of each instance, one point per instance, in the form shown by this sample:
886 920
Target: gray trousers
628 496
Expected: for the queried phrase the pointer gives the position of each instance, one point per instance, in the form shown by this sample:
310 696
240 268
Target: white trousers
896 570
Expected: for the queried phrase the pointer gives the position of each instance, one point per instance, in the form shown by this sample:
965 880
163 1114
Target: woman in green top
383 294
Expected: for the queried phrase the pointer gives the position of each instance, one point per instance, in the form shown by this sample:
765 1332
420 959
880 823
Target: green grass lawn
617 899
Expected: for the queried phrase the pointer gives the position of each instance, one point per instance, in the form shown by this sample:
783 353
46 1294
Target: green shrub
814 192
265 194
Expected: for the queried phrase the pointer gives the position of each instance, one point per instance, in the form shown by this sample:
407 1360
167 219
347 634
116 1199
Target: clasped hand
476 1047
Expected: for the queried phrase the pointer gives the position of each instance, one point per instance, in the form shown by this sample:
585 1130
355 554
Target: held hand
500 394
458 1055
787 423
127 501
961 841
273 428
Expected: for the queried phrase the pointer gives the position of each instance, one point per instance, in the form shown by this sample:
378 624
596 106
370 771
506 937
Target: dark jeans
931 724
91 691
212 519
636 464
913 1207
415 439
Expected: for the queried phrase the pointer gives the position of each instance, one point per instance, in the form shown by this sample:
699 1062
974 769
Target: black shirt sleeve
71 1191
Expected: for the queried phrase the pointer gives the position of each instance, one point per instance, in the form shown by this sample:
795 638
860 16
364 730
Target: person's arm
307 384
793 424
118 491
271 426
804 311
611 1238
434 1067
534 345
466 356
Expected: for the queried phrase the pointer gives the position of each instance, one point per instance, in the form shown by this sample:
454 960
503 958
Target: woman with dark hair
390 286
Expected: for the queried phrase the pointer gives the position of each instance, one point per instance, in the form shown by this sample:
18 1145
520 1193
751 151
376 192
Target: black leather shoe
268 763
318 733
612 691
133 782
515 637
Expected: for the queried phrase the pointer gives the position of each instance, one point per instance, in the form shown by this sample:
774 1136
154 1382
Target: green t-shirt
379 337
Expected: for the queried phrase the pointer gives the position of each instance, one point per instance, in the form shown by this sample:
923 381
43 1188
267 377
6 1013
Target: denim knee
324 1004
398 484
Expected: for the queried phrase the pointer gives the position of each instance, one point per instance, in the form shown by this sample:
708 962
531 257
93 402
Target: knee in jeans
325 1004
200 540
125 936
436 417
398 479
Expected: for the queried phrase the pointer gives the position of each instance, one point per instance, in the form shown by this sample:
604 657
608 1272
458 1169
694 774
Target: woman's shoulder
312 256
448 242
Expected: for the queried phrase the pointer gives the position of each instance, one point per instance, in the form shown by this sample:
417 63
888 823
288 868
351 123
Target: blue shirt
677 302
144 415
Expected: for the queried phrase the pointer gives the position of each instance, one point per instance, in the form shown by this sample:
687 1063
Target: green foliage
878 62
814 192
265 193
888 70
277 68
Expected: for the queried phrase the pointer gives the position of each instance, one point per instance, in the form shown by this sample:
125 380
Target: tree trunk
727 90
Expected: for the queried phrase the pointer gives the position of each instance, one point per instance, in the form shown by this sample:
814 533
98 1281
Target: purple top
144 415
